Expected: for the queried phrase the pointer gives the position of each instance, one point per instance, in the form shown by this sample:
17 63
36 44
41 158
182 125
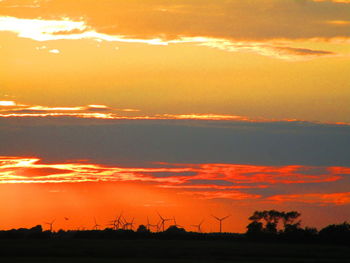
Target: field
172 251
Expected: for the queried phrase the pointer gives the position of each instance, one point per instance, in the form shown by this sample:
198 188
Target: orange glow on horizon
81 190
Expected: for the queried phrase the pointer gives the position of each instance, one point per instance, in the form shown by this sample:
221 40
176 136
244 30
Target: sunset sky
189 108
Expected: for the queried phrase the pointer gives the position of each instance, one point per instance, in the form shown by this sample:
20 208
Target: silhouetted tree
288 228
257 216
338 233
267 221
310 231
255 228
142 229
289 219
175 230
271 228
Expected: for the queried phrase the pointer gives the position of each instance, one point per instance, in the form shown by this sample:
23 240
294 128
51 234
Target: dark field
184 251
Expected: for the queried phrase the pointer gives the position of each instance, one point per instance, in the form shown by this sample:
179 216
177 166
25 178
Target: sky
187 108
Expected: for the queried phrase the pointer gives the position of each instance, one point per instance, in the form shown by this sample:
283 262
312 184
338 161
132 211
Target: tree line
267 225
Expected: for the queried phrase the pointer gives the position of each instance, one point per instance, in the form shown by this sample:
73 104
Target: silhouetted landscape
271 236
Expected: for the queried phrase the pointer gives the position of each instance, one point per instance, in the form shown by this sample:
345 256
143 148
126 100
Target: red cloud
205 181
322 199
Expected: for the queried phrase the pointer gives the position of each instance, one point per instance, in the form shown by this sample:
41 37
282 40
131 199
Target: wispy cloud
314 198
48 30
268 49
10 109
13 109
204 181
6 103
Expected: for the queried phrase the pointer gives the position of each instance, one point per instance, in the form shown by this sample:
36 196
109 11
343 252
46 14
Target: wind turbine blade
216 217
225 217
160 215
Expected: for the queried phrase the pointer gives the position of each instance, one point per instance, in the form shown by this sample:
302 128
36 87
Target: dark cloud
303 51
208 182
138 142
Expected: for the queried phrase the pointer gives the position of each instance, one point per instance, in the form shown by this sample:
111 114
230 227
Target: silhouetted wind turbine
199 226
129 225
149 225
96 226
119 221
163 220
220 220
116 222
112 224
51 224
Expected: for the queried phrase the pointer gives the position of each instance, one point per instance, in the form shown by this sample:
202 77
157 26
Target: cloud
314 198
55 51
338 22
5 103
267 49
38 29
131 140
204 181
236 26
231 195
235 19
13 109
334 1
46 30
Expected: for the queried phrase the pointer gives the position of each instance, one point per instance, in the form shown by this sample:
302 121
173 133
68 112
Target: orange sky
270 75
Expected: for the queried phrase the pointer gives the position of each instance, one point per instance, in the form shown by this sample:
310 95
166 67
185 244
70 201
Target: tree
268 221
255 228
175 230
340 232
142 229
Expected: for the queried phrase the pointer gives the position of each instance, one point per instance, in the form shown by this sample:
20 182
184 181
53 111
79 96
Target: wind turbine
149 225
96 226
220 220
51 224
163 220
119 221
129 225
199 226
112 224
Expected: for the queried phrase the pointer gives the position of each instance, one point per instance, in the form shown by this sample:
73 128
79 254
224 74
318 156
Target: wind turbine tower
163 221
199 226
51 224
96 226
220 220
